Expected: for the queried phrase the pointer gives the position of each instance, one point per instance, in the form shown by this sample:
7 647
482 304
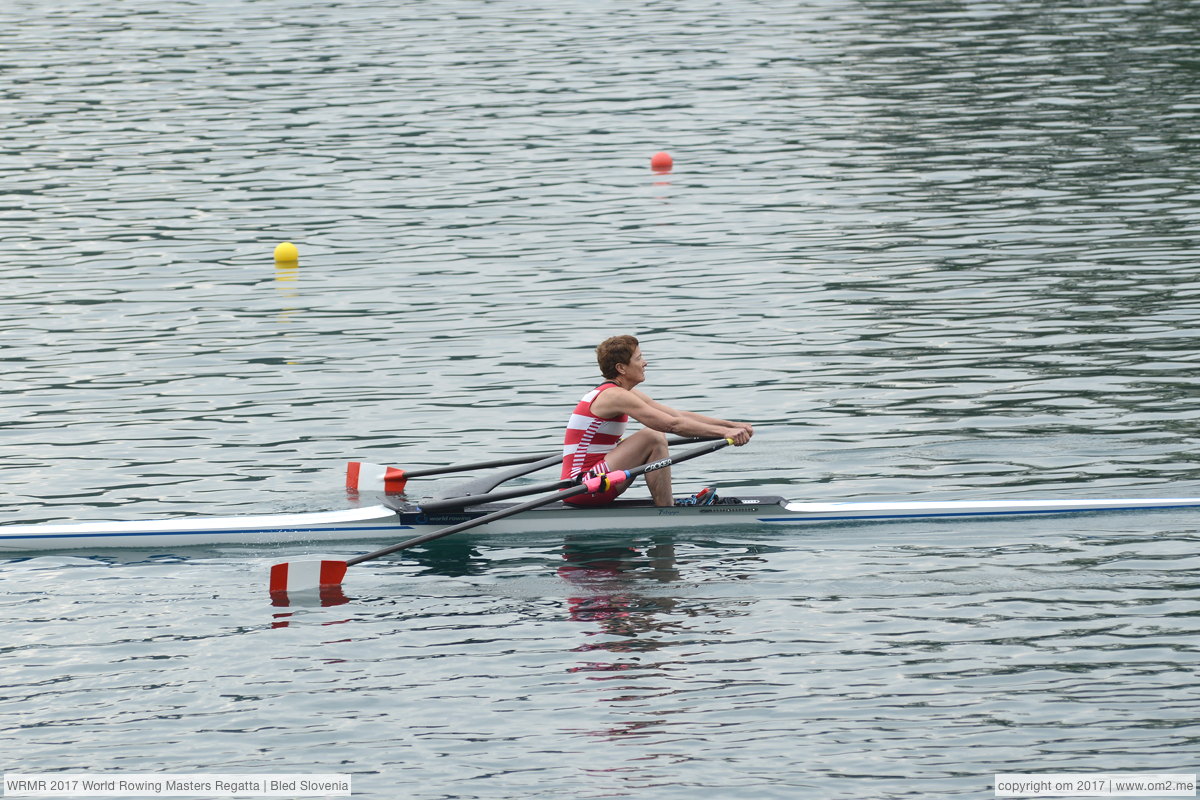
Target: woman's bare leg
641 448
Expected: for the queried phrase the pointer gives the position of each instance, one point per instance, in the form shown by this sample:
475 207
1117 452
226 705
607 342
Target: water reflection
287 279
620 595
321 597
452 557
607 577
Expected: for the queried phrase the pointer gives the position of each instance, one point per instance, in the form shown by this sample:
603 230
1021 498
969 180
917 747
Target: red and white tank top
590 438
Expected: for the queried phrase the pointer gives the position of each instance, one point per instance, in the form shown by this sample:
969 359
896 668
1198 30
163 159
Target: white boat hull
381 522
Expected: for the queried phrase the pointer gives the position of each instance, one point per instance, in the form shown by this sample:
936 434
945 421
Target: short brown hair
615 350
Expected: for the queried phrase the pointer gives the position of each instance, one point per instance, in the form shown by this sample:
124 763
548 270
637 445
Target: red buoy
661 162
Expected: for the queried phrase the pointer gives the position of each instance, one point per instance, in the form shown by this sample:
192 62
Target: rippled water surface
931 250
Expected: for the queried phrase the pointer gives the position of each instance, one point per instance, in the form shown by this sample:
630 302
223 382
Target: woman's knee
656 442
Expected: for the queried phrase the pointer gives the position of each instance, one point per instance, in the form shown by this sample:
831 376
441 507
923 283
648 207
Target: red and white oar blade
300 576
362 476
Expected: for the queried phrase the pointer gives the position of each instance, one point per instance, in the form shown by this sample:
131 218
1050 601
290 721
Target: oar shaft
486 483
455 503
505 462
537 503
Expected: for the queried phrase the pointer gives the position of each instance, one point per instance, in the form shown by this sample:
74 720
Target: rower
593 443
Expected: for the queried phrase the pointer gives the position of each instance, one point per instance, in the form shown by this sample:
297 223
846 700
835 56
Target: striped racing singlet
590 438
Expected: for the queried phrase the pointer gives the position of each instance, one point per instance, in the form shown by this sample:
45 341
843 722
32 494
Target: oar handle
599 484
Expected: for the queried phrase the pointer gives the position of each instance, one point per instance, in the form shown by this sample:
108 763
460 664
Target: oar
365 476
486 483
307 575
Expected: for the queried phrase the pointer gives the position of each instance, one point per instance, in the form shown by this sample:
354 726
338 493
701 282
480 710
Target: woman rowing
593 442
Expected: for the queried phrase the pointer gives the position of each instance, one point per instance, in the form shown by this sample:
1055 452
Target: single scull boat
386 522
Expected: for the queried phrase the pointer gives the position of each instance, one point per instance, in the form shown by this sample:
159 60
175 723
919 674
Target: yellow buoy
286 252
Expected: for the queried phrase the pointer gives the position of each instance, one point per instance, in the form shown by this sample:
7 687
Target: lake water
932 250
